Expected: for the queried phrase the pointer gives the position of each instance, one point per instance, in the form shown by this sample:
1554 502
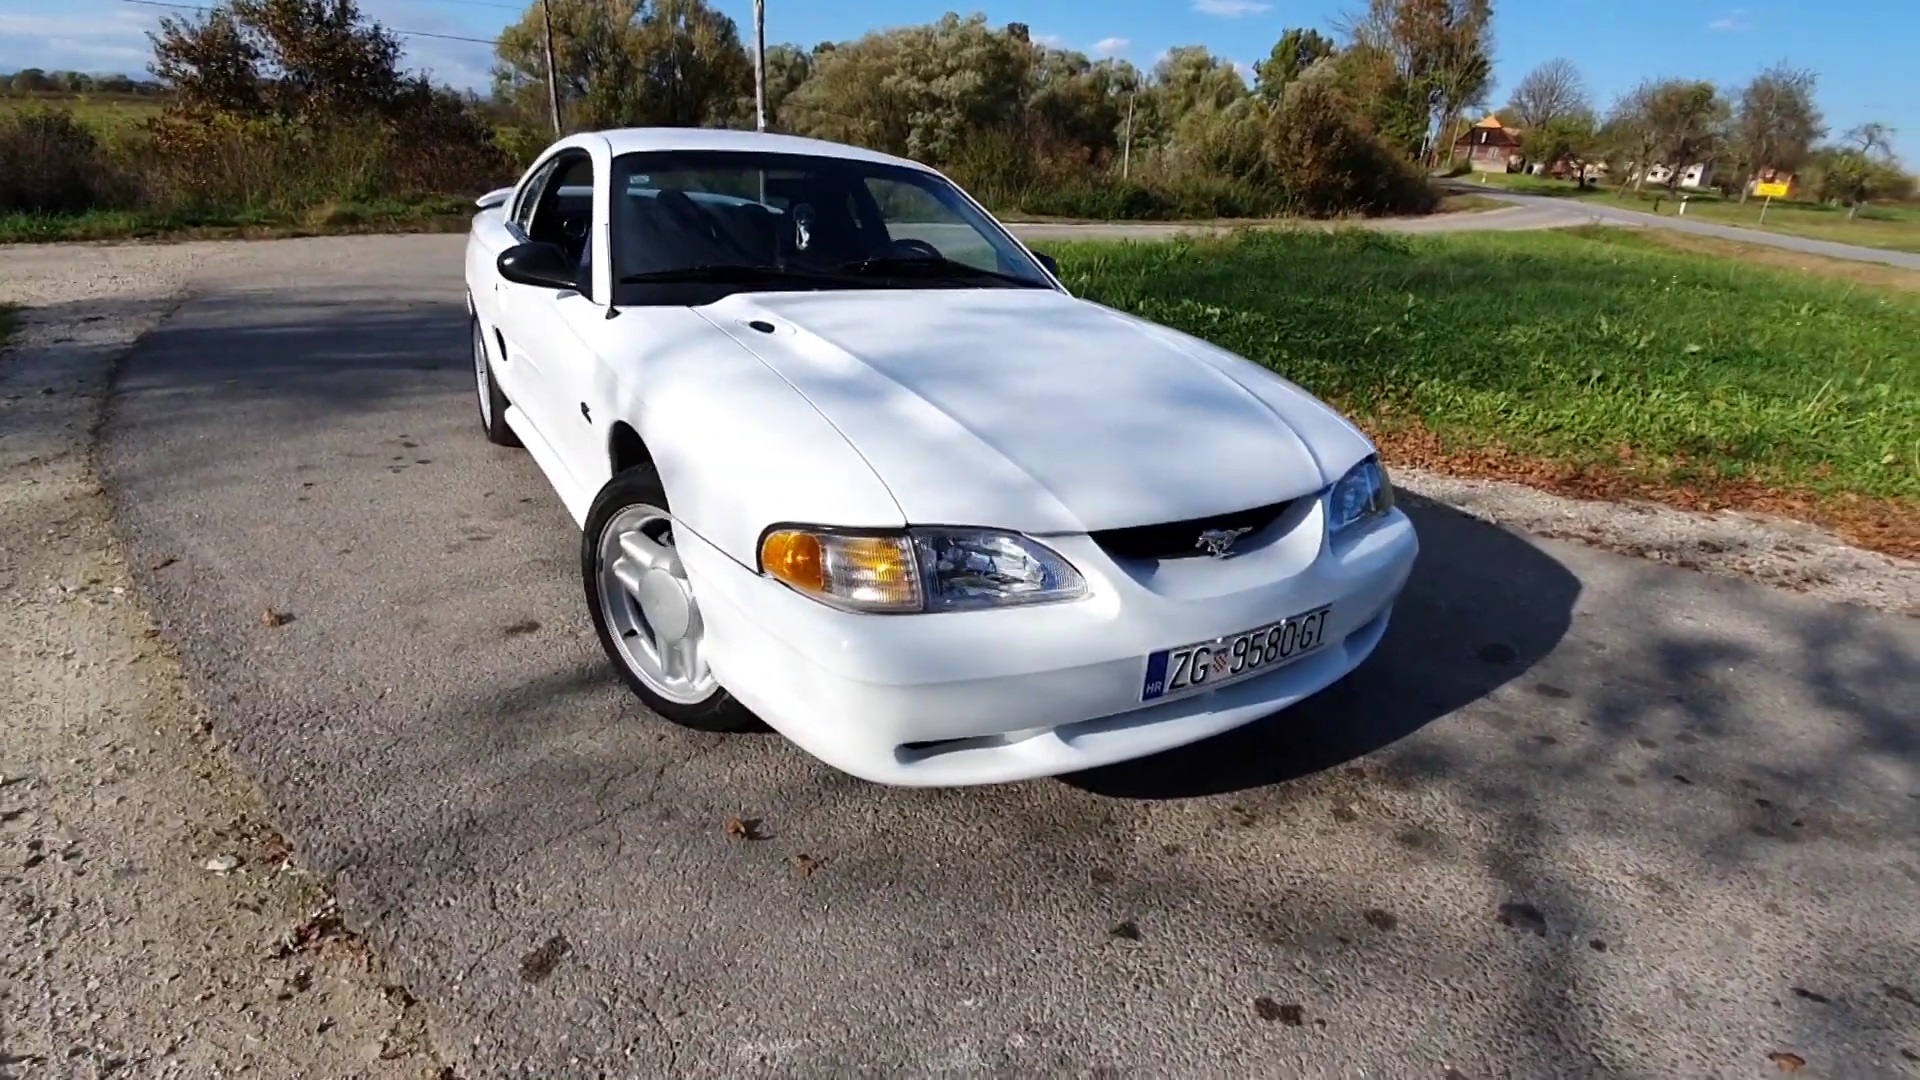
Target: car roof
633 140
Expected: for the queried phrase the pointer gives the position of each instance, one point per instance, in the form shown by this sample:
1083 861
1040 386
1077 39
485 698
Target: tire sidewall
641 484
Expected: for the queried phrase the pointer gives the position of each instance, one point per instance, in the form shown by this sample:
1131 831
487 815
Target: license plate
1207 664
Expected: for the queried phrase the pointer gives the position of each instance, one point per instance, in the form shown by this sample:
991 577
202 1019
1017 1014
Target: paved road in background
1504 219
1575 212
1583 814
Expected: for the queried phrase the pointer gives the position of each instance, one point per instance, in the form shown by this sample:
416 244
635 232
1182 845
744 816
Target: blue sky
1864 54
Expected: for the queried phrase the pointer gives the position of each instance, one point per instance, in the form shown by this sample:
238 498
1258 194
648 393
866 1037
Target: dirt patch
1783 553
1888 526
154 922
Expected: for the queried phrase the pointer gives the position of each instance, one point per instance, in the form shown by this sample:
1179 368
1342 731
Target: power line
389 29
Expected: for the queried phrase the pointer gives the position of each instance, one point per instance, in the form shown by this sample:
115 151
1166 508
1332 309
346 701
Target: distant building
1491 146
1694 176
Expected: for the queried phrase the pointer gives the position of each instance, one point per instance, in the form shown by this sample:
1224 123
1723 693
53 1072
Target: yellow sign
1777 190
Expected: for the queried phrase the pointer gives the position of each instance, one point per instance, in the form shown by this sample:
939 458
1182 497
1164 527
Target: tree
31 81
1550 92
1670 122
1440 50
630 62
1296 51
1872 139
1571 137
1776 122
918 91
291 59
787 68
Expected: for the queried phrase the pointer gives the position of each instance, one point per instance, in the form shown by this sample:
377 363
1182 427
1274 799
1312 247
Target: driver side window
530 196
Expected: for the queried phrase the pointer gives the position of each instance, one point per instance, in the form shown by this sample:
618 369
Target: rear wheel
644 610
493 403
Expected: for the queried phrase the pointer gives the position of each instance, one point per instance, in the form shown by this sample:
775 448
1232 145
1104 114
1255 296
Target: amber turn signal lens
866 572
796 558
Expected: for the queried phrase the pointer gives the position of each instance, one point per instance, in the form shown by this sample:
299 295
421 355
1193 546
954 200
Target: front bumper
994 696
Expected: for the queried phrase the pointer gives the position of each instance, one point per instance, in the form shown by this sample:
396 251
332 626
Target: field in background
1891 228
1587 361
105 113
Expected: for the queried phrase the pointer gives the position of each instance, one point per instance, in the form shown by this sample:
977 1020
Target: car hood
1031 410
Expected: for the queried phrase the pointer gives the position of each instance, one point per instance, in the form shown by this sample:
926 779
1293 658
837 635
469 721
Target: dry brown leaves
1787 1061
1889 526
743 829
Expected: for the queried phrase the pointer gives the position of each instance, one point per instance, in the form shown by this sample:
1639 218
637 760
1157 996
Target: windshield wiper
929 266
723 274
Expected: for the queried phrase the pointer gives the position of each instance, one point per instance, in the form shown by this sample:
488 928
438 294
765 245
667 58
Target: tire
634 502
493 403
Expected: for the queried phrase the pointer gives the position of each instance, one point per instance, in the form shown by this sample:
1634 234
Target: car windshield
757 220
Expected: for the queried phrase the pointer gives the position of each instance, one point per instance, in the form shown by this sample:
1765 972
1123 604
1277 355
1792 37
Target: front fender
739 449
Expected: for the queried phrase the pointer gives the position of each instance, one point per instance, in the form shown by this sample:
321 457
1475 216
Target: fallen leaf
1268 1009
743 828
538 964
270 618
805 865
1787 1062
164 563
221 864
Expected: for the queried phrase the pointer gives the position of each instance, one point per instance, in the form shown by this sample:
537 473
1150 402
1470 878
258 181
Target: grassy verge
441 214
1890 228
1591 362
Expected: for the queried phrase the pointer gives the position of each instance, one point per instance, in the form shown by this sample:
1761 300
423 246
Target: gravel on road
153 923
1585 813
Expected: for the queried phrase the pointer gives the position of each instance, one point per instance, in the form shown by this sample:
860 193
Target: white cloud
1246 71
1051 41
1113 46
1230 9
1728 24
110 42
115 40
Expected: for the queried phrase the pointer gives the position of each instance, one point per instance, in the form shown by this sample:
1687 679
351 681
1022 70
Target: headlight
1362 494
920 570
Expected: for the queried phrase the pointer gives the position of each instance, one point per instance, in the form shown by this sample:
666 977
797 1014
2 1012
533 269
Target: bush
52 164
1328 164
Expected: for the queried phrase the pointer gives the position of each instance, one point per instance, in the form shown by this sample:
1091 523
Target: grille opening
1181 539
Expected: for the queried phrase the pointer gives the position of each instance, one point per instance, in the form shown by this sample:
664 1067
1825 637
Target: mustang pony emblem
1219 542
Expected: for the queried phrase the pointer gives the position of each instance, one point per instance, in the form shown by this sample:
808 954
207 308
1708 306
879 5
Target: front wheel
644 609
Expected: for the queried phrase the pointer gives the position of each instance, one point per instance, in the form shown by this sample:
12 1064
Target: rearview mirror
1048 262
539 264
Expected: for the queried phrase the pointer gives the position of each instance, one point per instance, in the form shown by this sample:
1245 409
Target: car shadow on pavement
1482 607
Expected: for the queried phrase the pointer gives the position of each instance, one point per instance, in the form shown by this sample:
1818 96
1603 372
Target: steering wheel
909 246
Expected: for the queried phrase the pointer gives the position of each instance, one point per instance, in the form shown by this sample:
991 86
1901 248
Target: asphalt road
1583 813
1572 212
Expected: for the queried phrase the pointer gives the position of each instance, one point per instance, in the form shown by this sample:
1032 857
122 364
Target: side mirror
1047 261
537 264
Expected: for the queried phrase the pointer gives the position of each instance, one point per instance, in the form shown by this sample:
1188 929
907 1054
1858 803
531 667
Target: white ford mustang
849 458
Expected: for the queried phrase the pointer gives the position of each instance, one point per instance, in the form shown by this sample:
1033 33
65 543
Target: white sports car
850 459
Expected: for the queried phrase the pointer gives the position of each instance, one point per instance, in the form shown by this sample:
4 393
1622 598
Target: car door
542 325
556 327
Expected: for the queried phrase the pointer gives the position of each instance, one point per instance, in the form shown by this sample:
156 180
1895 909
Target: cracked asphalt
1582 814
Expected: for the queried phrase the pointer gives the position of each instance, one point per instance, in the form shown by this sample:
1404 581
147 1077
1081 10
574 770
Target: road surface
1583 814
1576 212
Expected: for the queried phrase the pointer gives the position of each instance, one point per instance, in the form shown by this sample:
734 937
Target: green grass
1562 346
1890 228
437 214
9 322
104 113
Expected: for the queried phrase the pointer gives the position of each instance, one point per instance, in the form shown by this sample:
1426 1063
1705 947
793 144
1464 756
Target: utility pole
1126 151
553 79
760 65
